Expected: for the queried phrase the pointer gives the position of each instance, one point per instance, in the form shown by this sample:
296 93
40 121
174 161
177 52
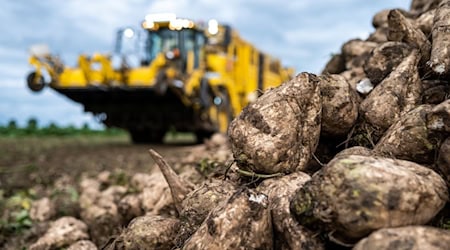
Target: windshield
188 42
162 40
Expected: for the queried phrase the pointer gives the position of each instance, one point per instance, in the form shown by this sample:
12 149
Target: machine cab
178 41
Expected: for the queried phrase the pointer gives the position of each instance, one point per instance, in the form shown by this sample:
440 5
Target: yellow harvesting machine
172 73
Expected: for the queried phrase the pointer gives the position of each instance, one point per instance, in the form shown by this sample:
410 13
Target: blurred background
303 34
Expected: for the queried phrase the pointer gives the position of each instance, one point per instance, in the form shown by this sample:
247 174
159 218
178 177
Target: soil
29 161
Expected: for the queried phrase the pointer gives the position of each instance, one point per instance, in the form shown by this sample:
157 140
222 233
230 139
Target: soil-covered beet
410 139
339 105
243 222
62 233
355 195
384 59
199 203
410 237
146 233
396 94
288 233
279 131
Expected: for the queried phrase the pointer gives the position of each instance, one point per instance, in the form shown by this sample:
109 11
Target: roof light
148 25
176 24
213 27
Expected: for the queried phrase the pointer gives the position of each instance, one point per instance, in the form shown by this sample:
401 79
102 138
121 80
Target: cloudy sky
303 34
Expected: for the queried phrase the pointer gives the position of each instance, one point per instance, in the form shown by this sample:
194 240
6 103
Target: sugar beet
411 237
288 233
243 222
355 195
339 105
280 130
398 93
409 138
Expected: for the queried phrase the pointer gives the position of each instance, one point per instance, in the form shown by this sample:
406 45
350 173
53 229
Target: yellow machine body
190 78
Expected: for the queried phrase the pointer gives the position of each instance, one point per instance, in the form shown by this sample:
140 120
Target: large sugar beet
398 93
243 222
411 238
339 105
355 195
409 138
147 233
288 233
280 130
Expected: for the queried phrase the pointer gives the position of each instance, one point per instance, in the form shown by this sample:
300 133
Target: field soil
26 162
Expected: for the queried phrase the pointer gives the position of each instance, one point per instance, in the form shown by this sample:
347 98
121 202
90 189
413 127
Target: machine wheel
142 136
201 135
35 86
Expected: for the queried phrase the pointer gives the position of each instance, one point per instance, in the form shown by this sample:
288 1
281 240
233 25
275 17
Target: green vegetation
15 217
32 128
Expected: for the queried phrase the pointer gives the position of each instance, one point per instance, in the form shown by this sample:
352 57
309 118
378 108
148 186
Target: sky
303 34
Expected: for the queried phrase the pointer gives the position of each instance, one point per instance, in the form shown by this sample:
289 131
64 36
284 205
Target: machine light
213 27
128 32
148 25
176 24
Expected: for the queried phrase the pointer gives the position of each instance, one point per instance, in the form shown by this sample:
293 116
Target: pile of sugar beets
356 157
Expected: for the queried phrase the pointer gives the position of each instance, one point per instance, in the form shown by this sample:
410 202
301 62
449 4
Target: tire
35 86
202 135
146 136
